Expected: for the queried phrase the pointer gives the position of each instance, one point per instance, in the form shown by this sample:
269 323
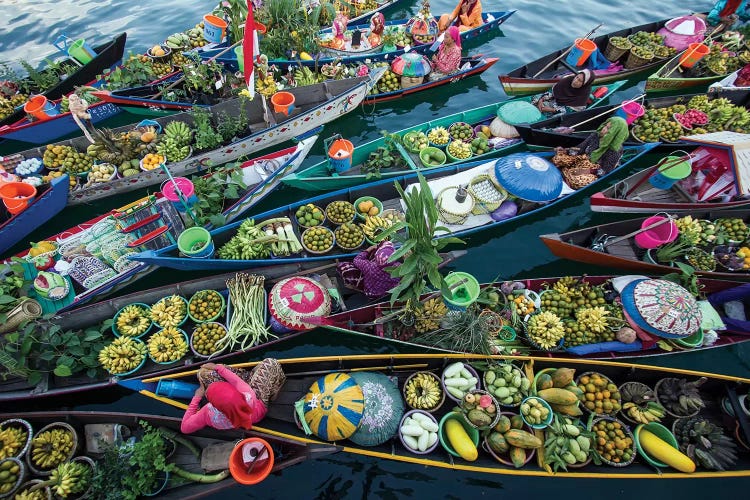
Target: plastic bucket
16 196
283 102
659 235
630 111
671 170
693 54
81 51
175 389
340 155
240 53
254 471
462 295
659 431
581 51
443 437
40 108
169 190
214 28
189 240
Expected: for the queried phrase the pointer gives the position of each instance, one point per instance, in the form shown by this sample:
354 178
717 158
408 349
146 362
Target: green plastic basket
187 341
659 431
471 431
141 305
222 308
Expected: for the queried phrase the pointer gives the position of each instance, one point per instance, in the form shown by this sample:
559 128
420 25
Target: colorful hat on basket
333 407
662 308
293 300
529 177
384 408
411 64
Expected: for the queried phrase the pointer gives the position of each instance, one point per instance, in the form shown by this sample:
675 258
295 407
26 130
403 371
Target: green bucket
189 243
471 431
464 295
659 431
81 52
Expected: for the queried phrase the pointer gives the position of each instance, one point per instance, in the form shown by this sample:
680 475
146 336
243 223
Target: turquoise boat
322 177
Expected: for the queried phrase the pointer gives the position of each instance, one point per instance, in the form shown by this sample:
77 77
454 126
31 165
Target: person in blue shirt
727 12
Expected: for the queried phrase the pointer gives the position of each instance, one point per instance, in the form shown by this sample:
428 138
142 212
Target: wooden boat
315 105
303 372
726 85
536 77
544 133
213 447
16 386
42 132
158 223
385 192
373 320
577 245
108 55
318 177
357 13
50 200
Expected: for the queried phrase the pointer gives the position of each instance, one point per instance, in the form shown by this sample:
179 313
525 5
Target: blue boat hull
44 132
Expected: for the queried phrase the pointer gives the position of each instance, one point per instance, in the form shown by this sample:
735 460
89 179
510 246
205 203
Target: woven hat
293 300
662 308
529 177
333 407
384 408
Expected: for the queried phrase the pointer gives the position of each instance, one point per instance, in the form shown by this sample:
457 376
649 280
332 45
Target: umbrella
411 64
662 308
293 300
333 406
384 408
529 177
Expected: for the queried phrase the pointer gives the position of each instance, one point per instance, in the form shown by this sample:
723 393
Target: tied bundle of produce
257 241
247 325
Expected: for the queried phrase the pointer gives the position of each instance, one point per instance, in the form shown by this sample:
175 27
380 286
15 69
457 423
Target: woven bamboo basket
491 196
634 61
613 53
411 81
452 217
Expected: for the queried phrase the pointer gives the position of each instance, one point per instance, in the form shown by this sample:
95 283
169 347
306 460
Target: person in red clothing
448 58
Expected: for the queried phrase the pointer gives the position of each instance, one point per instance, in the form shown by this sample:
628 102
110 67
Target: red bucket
251 461
17 195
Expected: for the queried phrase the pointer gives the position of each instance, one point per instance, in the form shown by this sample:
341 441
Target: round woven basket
481 392
449 217
439 382
47 492
666 409
634 61
629 433
503 458
613 53
491 197
609 381
26 426
411 81
624 414
19 480
67 427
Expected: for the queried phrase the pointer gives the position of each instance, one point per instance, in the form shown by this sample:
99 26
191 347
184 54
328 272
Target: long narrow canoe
673 78
51 198
544 133
261 175
16 387
577 245
318 177
527 79
315 105
213 447
371 321
383 190
42 132
108 56
728 84
302 373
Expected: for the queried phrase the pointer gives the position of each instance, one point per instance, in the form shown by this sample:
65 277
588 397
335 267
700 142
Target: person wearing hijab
727 12
569 93
467 15
448 57
605 146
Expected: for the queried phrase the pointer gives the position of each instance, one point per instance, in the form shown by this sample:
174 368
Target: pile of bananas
652 412
122 355
170 150
593 319
423 391
9 471
67 159
428 317
70 478
167 345
178 41
169 311
545 329
175 146
680 396
699 102
266 85
12 441
206 337
134 320
460 149
246 244
304 76
690 229
374 225
52 447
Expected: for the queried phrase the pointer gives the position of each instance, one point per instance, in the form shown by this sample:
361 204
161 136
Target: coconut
626 335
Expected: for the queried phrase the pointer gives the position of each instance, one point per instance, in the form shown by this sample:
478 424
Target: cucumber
431 438
412 430
455 382
419 418
411 442
429 425
453 370
466 373
456 393
422 441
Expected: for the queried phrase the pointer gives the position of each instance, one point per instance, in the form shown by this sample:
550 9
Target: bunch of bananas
304 76
28 493
69 478
652 412
179 132
12 440
169 311
545 329
374 225
266 86
172 151
8 105
246 244
133 320
51 447
428 317
699 102
178 41
167 345
122 355
423 391
9 470
690 229
594 319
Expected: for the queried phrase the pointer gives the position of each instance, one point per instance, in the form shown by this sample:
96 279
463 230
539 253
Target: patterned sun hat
662 308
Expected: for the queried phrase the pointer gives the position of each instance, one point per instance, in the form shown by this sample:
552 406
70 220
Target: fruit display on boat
374 225
423 391
206 337
12 440
389 82
309 215
349 236
152 161
461 131
614 442
367 207
67 159
318 239
680 397
419 431
508 438
339 212
458 380
545 329
718 61
175 145
705 443
102 172
9 474
133 320
567 443
599 394
460 150
439 136
169 311
205 305
70 479
167 345
479 409
122 355
415 141
507 383
700 259
52 447
734 229
558 388
428 317
479 145
535 411
647 44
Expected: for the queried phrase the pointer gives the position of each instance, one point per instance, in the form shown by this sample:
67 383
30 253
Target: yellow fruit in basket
373 211
365 206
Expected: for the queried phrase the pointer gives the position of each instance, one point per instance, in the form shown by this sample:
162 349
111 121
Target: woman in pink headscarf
448 58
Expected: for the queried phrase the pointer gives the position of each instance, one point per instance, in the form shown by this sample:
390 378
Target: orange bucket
214 28
579 54
340 154
16 196
40 108
258 467
693 54
283 102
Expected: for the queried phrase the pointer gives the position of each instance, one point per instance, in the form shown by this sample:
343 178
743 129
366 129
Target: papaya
460 440
558 396
518 456
503 424
522 439
569 410
562 377
479 418
497 443
544 382
516 422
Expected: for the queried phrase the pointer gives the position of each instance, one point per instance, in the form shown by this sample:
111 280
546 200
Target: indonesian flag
250 50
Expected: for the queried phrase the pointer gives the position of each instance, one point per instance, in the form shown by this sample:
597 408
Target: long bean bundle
247 326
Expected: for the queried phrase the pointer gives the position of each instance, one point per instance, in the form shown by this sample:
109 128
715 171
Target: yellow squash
460 440
662 451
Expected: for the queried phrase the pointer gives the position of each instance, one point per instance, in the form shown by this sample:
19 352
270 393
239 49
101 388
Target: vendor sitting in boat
448 57
569 93
466 16
728 12
236 398
603 147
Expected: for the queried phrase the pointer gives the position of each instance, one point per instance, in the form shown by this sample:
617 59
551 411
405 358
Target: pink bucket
169 190
656 236
631 111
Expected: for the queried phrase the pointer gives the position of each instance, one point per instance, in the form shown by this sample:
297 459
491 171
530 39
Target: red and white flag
250 50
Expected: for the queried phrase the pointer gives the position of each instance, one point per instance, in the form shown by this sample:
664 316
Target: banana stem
180 439
200 478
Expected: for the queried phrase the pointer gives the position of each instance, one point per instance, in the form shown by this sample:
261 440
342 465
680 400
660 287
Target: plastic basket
659 431
142 306
187 341
445 442
454 159
432 150
547 421
609 381
377 203
185 317
71 454
140 365
213 318
401 437
192 336
502 458
413 133
473 374
440 384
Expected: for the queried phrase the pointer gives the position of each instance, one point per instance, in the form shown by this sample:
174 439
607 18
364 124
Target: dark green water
513 252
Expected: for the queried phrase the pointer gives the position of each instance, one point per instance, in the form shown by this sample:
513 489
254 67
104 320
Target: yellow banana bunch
652 412
545 329
69 478
428 318
169 311
28 494
12 440
374 225
423 391
133 321
266 86
167 345
50 448
122 355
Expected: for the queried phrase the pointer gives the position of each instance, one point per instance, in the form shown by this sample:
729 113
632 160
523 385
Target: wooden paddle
571 128
567 51
630 235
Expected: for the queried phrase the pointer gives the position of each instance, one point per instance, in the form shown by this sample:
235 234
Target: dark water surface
539 26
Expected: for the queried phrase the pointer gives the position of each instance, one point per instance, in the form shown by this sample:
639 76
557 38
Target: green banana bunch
69 478
179 132
305 76
172 150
